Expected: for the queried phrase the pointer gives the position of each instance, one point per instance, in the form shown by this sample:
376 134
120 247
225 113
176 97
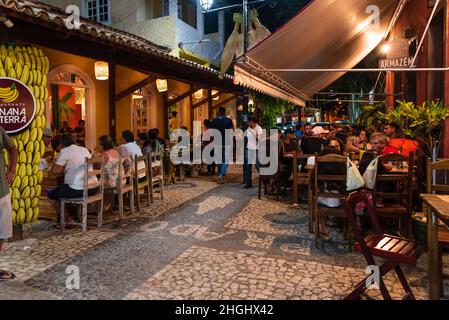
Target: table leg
433 269
295 184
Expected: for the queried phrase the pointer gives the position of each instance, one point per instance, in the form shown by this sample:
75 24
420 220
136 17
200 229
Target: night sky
272 14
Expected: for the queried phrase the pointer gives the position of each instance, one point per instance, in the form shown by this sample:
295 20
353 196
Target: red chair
394 250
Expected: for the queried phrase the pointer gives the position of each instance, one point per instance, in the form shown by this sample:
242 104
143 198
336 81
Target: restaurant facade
142 85
424 86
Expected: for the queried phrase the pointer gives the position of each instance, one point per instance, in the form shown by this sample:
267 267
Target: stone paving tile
19 291
271 217
115 267
175 195
201 242
37 255
205 274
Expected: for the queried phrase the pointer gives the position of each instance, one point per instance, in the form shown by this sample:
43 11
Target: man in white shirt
253 135
71 161
129 148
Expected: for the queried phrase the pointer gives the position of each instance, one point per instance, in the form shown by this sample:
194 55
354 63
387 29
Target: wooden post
210 104
112 110
433 269
192 113
165 106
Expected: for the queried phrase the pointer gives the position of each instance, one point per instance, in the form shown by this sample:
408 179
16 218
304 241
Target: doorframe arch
91 110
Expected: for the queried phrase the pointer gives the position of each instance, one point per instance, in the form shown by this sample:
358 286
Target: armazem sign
397 55
17 105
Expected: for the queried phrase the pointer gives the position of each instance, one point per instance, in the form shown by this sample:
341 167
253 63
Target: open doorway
71 95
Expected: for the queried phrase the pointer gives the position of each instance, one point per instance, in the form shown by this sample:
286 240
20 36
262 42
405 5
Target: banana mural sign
23 93
17 105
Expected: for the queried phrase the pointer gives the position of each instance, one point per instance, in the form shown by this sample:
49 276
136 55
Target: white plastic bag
43 165
354 179
370 174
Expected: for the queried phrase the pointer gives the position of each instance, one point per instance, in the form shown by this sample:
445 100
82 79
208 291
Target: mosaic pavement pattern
202 242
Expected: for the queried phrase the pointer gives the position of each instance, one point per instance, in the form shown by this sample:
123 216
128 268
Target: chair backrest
125 172
405 177
330 160
156 162
140 167
266 143
94 167
442 167
349 205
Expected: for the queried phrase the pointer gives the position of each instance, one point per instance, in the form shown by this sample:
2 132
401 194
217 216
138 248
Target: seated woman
364 143
111 158
289 146
336 187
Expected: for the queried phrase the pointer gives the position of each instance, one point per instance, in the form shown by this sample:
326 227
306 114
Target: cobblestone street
202 242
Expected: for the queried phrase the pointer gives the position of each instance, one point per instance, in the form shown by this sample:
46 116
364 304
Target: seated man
129 148
289 146
380 147
71 162
379 143
313 144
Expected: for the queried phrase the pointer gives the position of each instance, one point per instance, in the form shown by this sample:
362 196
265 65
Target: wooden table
439 209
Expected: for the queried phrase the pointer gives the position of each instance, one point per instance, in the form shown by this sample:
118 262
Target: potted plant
423 123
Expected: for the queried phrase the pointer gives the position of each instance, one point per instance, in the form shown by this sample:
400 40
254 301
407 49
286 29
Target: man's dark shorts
65 192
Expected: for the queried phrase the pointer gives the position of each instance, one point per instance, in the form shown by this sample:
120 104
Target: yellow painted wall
125 78
100 101
177 88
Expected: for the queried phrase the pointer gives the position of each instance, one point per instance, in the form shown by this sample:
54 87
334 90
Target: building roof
47 14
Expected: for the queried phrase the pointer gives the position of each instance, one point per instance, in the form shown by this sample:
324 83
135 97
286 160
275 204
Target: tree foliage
271 108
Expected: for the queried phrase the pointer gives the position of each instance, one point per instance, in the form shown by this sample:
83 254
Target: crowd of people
65 156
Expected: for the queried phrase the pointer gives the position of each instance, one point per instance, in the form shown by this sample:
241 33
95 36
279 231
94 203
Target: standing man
253 134
223 123
6 179
173 125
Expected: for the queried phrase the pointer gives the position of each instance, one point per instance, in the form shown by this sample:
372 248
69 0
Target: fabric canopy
327 34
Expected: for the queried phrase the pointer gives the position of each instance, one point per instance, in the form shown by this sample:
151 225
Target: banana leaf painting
61 110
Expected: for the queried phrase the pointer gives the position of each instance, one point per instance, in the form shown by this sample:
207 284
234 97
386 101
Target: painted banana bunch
30 66
10 94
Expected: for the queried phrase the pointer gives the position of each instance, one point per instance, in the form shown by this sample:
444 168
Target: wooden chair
394 250
303 179
88 198
401 192
125 184
141 179
441 168
265 179
156 164
320 210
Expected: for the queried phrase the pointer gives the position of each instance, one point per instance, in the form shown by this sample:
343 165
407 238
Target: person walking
223 123
6 179
253 135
